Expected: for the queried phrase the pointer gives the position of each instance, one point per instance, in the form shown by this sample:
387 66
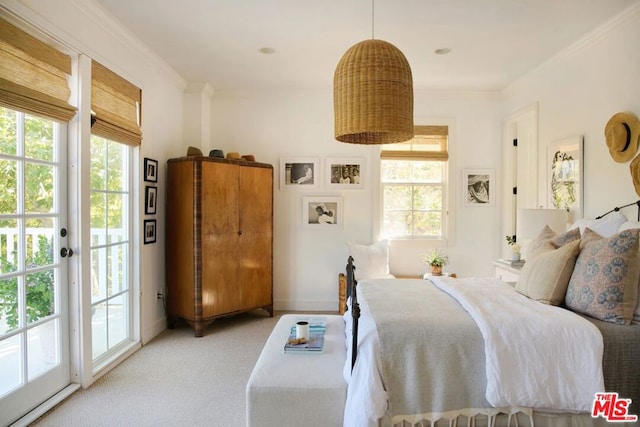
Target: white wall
271 125
83 27
577 92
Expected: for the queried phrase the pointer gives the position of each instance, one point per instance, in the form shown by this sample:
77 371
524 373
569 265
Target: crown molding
628 15
21 13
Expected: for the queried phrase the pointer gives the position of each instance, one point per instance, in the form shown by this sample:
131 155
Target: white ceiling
492 42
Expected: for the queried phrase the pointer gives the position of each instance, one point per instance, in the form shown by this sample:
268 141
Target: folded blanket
537 355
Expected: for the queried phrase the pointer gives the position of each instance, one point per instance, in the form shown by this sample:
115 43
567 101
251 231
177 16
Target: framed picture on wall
478 187
345 173
296 172
150 200
322 212
565 176
149 231
150 170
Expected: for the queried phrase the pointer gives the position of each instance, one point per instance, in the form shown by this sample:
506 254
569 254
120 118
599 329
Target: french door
34 330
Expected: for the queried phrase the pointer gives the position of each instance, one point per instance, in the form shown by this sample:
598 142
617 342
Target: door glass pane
38 139
8 305
40 295
9 193
118 319
39 235
11 366
44 349
118 277
117 220
8 128
98 274
99 329
9 239
39 182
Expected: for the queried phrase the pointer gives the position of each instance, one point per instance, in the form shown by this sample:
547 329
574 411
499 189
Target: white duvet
537 355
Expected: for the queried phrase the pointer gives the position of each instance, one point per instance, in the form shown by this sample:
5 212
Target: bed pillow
371 261
545 277
547 235
628 226
606 226
604 283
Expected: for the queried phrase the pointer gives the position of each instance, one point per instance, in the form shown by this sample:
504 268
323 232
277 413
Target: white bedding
535 353
368 401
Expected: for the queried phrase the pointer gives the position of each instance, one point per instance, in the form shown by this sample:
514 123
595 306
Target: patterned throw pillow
604 283
548 235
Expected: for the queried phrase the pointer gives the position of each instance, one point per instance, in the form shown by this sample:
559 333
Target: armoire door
219 234
256 238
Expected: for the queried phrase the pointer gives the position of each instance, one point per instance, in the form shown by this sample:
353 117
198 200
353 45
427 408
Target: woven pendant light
373 95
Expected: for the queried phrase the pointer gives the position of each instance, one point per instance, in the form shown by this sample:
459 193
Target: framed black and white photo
565 176
478 187
150 170
149 231
150 200
322 212
345 172
296 172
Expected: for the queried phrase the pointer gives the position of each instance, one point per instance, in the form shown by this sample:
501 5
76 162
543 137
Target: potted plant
436 259
514 246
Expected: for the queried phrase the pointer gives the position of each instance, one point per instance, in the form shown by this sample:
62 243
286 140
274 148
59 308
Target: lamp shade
530 222
373 95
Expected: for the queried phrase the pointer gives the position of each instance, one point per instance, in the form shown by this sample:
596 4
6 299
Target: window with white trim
414 185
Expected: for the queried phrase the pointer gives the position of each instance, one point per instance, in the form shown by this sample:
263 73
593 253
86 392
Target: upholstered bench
298 389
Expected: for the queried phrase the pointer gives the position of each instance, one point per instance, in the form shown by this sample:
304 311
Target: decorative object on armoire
216 153
565 176
233 155
194 151
219 243
622 132
436 260
373 94
249 157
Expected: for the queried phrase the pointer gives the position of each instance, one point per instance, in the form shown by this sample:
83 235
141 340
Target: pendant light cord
372 19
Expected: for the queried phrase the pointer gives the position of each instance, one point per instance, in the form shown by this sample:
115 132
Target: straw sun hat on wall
622 133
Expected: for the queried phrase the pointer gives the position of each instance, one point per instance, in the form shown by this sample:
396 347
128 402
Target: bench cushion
300 388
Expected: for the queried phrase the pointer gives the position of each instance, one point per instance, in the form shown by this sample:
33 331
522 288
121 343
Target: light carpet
175 380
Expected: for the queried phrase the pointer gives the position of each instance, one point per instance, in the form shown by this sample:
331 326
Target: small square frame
150 200
345 173
294 172
478 187
150 231
331 216
150 170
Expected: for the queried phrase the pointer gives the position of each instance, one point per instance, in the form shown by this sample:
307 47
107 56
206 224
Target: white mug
302 330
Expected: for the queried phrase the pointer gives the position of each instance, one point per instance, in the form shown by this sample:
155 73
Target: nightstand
505 272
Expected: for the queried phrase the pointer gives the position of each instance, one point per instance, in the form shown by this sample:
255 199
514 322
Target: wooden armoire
219 239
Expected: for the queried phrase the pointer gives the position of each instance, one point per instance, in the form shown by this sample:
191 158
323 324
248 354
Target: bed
479 351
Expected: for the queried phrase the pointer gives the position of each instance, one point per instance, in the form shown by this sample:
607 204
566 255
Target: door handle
64 252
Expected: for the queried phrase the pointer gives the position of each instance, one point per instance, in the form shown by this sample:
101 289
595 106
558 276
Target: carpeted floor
175 380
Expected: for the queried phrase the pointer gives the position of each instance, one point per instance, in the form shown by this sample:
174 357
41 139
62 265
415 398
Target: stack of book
511 262
315 343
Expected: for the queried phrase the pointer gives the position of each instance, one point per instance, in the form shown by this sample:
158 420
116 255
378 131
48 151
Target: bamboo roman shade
33 75
115 105
428 143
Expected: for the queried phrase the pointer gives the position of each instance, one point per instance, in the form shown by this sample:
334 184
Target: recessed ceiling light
267 50
443 51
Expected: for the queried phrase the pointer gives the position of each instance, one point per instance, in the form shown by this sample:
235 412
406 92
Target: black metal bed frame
354 307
